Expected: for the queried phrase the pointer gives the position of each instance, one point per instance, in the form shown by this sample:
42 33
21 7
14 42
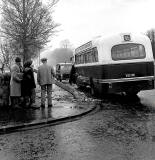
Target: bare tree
6 55
151 34
29 24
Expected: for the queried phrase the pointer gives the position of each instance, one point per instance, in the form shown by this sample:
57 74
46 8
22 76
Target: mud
123 129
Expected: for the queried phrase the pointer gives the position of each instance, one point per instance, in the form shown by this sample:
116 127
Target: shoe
42 106
50 105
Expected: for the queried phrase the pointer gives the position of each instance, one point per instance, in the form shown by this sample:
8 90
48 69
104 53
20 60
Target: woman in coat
28 83
15 83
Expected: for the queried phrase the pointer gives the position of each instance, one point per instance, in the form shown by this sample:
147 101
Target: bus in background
63 71
119 63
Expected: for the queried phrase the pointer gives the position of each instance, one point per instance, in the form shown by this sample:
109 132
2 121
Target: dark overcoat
28 82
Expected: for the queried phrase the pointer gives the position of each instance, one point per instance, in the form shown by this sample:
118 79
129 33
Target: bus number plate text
129 75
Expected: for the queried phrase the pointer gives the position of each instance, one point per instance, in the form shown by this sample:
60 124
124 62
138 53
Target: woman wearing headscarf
28 84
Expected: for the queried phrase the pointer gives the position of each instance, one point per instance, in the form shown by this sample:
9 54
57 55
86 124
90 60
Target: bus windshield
128 51
66 67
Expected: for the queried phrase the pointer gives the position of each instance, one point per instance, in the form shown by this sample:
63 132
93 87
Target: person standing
28 84
15 83
45 78
73 75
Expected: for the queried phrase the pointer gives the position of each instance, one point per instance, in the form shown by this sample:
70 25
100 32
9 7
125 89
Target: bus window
77 59
87 57
95 55
83 61
128 51
81 58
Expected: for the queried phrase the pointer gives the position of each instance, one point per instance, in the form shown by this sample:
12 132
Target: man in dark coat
73 75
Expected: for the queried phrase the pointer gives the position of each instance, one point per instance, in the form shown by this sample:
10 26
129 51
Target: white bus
119 63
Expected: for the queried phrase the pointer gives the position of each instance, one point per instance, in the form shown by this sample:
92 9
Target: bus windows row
87 57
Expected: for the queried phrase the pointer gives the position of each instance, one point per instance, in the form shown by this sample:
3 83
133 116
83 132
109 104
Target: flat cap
44 59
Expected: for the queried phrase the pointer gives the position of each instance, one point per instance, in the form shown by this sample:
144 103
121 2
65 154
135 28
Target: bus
63 71
118 63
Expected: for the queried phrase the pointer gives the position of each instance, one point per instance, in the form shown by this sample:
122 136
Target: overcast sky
81 20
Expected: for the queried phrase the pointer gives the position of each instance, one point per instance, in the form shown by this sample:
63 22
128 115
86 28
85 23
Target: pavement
67 104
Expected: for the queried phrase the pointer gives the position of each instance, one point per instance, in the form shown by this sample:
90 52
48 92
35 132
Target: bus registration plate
129 75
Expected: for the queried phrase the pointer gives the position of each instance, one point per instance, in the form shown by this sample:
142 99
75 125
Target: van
63 71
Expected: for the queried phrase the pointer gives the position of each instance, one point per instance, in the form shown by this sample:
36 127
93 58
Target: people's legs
49 94
18 101
15 101
33 96
43 92
26 101
32 99
12 101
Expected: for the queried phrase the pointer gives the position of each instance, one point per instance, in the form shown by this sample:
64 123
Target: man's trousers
46 89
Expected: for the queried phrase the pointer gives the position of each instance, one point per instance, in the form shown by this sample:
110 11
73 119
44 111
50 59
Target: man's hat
44 59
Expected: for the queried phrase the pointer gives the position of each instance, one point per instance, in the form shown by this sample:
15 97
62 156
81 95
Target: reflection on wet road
123 129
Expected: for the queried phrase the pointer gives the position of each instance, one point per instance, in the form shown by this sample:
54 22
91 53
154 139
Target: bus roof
105 44
113 39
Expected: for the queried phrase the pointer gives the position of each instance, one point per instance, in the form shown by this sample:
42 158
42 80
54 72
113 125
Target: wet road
122 129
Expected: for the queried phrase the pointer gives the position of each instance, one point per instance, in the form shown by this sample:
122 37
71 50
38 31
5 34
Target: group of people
22 83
